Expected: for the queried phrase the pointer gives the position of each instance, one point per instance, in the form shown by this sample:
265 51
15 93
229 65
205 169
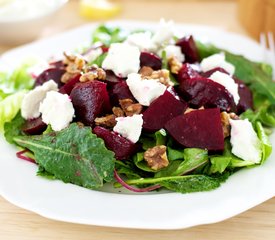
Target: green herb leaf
73 155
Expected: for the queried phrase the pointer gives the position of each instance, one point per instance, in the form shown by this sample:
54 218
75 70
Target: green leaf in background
19 79
99 60
126 169
258 76
13 128
74 155
9 107
174 154
108 35
266 145
219 163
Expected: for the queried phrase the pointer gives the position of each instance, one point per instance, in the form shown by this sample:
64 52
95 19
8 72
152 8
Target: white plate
67 202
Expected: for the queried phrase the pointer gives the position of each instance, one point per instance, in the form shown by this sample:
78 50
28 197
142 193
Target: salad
141 110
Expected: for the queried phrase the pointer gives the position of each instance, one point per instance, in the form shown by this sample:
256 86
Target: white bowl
26 27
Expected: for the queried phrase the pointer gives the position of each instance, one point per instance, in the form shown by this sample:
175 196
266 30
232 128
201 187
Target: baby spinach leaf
73 155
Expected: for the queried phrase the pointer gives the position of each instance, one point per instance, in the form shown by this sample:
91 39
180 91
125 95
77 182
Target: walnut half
129 107
156 157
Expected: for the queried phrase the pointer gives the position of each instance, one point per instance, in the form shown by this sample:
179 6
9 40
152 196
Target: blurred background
23 21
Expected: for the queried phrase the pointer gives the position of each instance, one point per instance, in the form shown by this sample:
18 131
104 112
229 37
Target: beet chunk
189 49
207 93
90 99
187 72
118 91
150 60
246 98
34 126
68 87
161 110
198 129
122 147
52 73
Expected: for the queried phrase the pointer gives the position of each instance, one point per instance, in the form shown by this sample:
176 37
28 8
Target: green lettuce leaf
266 145
9 107
73 155
19 79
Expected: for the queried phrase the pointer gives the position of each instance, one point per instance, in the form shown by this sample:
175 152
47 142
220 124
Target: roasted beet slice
160 111
119 91
150 60
122 147
210 72
90 99
187 72
34 126
189 49
198 129
52 73
68 87
246 98
204 92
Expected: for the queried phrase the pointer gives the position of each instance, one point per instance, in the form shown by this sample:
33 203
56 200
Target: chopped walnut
80 124
174 64
188 110
129 107
163 76
146 71
156 157
225 124
107 121
66 77
118 112
234 116
93 73
74 65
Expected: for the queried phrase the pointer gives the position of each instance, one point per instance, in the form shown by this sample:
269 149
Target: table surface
257 223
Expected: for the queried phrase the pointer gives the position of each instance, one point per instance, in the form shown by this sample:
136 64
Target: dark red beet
150 60
122 147
68 87
111 78
210 72
90 99
198 129
189 49
57 64
187 72
246 98
161 110
34 126
52 73
118 91
207 93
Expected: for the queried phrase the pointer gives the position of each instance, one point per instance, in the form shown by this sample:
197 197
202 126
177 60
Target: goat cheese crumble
32 100
215 61
129 127
122 59
57 110
245 142
144 91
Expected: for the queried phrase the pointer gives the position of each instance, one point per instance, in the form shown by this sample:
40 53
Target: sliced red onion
20 155
134 189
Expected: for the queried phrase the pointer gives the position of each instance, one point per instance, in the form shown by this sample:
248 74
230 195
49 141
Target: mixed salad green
86 153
